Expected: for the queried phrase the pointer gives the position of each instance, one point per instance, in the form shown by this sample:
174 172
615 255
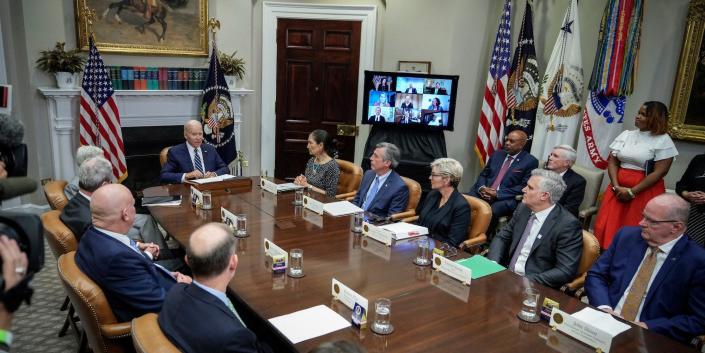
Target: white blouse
635 147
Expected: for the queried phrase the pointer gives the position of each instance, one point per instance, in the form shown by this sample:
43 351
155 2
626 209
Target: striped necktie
197 161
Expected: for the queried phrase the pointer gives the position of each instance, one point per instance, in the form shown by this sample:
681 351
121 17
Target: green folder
480 266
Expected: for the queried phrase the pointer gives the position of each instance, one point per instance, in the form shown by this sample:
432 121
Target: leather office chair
163 156
591 251
480 217
148 337
349 179
101 330
54 192
414 197
593 183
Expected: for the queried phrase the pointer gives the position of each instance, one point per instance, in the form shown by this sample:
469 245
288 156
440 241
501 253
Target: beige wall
455 35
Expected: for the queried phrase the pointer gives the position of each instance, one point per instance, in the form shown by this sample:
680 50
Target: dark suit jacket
410 90
450 222
554 257
198 322
179 162
391 197
675 302
373 120
130 281
512 183
77 215
574 192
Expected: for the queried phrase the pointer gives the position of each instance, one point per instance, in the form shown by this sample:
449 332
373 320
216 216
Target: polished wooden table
430 311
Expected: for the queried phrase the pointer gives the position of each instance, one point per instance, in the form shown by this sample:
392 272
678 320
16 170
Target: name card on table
449 267
376 248
313 204
377 233
580 327
347 296
279 257
268 185
228 217
450 286
196 196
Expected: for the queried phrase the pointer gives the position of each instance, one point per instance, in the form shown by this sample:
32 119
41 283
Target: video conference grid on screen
400 99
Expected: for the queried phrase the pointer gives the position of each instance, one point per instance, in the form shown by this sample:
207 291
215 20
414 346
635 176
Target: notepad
288 187
161 201
480 266
214 179
309 323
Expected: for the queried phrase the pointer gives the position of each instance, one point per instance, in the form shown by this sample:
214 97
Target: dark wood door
317 74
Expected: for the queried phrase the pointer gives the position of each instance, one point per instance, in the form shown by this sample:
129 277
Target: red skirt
615 214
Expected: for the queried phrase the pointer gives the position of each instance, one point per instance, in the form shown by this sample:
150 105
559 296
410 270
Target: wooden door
317 74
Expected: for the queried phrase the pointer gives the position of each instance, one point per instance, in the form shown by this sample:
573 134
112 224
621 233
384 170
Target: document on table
309 323
341 208
607 322
214 179
403 230
169 201
288 187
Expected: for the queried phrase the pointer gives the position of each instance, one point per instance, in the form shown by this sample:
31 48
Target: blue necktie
197 160
371 195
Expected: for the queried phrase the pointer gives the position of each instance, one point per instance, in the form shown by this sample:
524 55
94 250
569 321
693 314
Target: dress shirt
84 195
191 152
381 180
125 240
520 265
660 259
218 294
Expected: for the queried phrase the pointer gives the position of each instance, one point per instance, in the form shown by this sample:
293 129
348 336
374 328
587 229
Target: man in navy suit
654 276
382 191
504 175
199 317
560 161
132 283
193 159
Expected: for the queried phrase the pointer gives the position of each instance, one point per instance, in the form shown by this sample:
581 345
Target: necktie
197 160
232 308
522 241
502 172
371 195
638 291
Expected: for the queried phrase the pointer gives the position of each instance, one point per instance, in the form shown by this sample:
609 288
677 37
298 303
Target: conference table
430 311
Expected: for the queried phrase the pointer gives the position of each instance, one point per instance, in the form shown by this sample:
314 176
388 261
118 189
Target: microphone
16 186
11 132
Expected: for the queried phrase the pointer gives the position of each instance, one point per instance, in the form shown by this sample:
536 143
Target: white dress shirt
191 152
533 234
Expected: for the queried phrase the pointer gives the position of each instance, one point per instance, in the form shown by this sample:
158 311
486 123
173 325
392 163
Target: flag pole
88 15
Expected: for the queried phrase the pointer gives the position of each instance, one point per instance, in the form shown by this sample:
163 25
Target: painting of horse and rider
168 27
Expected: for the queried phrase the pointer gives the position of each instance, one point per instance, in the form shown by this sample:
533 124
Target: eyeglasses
439 175
652 222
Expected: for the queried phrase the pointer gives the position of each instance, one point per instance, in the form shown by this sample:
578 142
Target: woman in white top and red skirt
639 159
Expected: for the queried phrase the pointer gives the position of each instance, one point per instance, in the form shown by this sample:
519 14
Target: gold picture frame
687 121
131 31
421 67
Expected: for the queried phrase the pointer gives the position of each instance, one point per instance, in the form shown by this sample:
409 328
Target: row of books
157 78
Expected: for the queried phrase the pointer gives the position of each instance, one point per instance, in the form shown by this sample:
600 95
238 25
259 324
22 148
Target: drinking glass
299 197
423 252
383 313
529 305
357 219
241 225
296 263
207 200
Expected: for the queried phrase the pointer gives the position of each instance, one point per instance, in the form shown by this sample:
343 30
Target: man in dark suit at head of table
192 159
560 161
199 317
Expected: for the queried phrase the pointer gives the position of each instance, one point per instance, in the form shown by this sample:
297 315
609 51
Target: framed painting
687 121
161 27
422 67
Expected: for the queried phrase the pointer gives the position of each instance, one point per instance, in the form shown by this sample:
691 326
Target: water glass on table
207 200
241 225
383 313
357 220
296 263
299 197
530 305
423 251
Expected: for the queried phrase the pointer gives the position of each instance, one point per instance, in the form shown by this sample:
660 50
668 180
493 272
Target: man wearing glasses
654 276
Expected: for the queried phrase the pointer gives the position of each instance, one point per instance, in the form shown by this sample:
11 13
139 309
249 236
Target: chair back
54 192
163 156
60 238
480 216
414 193
350 177
102 330
591 251
148 337
593 182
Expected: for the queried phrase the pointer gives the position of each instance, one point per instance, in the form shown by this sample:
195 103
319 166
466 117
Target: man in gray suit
543 241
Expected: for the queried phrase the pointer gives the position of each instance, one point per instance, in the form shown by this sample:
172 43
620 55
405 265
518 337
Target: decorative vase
232 81
66 80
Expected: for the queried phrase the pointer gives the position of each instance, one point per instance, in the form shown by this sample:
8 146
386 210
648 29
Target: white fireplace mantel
137 108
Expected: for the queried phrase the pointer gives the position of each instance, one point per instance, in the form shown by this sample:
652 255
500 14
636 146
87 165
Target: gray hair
551 182
391 153
449 167
216 259
85 153
94 172
569 153
678 209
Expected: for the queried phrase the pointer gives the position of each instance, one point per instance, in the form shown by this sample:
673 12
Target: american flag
100 119
494 105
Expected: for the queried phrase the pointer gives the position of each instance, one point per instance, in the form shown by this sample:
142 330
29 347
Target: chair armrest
118 330
402 215
698 342
345 196
474 245
588 212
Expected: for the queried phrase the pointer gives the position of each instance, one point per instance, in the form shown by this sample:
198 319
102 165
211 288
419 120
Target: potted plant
233 67
63 64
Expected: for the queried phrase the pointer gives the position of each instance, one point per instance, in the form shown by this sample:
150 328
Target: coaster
428 262
295 276
536 319
376 330
241 236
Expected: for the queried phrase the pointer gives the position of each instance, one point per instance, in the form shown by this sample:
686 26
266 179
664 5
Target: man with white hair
192 159
542 241
561 160
83 154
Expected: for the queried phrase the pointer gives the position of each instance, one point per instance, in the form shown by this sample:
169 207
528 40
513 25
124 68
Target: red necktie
502 172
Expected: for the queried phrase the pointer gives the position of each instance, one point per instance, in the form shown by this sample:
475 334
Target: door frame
271 12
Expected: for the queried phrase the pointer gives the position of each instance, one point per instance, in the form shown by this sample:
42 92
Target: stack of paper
341 208
309 323
161 201
606 321
403 230
480 266
214 179
288 187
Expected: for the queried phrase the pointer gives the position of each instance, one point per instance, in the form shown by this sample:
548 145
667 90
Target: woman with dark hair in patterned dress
321 174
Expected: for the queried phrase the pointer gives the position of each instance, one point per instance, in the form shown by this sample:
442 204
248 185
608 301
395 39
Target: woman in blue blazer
445 212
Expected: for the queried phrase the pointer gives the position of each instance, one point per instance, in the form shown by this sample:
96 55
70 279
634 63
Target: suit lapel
519 227
635 256
548 223
382 188
200 294
671 261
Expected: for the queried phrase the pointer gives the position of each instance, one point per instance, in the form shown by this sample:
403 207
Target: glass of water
357 220
207 200
299 197
241 225
296 263
383 312
530 305
423 252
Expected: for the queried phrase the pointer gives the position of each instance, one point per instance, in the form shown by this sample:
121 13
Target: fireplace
142 147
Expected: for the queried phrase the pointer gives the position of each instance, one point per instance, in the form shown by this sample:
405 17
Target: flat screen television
409 100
